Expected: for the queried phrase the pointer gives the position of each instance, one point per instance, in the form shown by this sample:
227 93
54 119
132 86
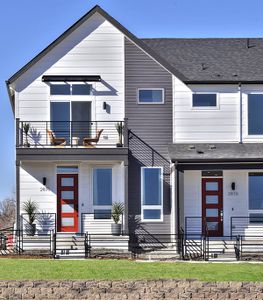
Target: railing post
17 132
231 228
126 133
54 245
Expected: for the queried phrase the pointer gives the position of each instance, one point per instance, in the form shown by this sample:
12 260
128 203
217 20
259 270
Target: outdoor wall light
104 105
44 181
233 186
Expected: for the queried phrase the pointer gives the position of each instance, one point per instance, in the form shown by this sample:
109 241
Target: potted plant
117 211
26 128
119 127
30 207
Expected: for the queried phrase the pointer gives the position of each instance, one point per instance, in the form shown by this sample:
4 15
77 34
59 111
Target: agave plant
31 208
117 211
26 128
119 127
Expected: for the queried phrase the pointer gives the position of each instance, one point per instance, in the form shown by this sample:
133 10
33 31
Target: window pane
67 195
60 117
152 186
102 214
255 112
67 208
256 191
102 186
212 212
211 199
203 100
152 214
59 89
67 222
211 186
256 218
67 182
151 96
81 89
67 169
212 226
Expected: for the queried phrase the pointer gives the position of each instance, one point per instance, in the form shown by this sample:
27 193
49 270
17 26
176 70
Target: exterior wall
202 125
31 187
150 132
235 203
95 48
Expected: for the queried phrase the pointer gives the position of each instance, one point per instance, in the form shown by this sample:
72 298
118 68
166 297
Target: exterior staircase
70 246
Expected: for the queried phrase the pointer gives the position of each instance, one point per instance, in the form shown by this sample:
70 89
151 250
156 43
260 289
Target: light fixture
233 186
44 181
104 105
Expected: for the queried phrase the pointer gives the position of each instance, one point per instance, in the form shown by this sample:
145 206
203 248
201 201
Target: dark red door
212 205
67 202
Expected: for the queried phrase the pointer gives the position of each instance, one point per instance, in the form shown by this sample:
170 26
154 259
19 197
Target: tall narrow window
102 192
151 193
255 112
256 197
60 119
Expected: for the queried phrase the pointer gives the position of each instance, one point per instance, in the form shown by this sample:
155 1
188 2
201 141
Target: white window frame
205 108
150 89
101 207
160 206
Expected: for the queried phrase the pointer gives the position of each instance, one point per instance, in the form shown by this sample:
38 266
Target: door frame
76 202
219 206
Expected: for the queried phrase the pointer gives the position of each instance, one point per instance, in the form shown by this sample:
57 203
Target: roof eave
7 83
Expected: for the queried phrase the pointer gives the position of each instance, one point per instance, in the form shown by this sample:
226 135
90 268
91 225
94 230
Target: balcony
81 138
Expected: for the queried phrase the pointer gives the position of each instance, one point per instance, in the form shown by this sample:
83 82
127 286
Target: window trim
159 206
102 207
205 108
150 89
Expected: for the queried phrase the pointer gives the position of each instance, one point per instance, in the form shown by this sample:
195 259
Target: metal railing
246 226
44 223
71 133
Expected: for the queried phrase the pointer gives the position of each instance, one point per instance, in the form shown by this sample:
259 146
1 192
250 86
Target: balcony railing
41 134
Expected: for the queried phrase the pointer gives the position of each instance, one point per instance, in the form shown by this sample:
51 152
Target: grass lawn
11 269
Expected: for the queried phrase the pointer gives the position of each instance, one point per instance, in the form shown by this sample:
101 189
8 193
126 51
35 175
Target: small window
204 100
150 96
151 193
102 187
255 112
81 89
102 214
59 89
67 169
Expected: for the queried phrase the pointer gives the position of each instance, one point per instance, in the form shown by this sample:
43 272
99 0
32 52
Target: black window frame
195 106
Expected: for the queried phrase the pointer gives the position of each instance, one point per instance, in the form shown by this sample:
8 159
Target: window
70 89
151 193
255 112
102 187
204 100
151 96
60 117
256 197
67 170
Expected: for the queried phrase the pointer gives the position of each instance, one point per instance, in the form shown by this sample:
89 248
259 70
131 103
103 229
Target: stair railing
54 238
87 245
238 247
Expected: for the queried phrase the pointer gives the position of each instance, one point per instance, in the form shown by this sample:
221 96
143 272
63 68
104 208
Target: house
187 155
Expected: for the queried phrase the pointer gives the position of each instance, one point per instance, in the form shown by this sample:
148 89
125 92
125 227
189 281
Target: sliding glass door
60 119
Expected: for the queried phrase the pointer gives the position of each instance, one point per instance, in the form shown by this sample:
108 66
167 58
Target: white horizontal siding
200 125
95 48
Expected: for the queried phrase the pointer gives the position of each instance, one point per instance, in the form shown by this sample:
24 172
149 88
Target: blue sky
27 26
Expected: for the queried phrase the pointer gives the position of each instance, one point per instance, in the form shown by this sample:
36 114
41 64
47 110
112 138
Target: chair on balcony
88 141
54 140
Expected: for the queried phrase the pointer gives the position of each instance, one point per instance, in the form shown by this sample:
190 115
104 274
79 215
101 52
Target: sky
28 26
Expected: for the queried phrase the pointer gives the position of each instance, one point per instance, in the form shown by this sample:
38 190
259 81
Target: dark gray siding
150 132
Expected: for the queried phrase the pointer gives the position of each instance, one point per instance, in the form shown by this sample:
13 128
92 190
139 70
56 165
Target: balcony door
71 119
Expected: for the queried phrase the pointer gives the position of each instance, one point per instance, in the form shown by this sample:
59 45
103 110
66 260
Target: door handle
221 215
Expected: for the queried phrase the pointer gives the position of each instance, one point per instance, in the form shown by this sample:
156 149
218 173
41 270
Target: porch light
233 186
44 181
104 105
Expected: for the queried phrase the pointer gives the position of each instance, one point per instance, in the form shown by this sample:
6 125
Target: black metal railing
43 224
71 133
246 226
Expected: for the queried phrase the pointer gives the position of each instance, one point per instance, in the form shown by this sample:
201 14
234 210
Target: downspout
240 113
177 197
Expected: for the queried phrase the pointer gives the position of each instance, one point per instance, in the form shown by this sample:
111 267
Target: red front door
67 202
212 205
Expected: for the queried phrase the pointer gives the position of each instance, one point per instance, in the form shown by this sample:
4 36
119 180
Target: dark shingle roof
213 59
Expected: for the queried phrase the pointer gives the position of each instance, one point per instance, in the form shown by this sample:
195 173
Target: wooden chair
54 140
88 141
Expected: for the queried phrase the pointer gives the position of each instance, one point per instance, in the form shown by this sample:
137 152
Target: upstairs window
255 113
150 96
204 101
70 89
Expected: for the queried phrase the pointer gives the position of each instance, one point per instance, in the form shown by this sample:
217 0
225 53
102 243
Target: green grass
18 269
